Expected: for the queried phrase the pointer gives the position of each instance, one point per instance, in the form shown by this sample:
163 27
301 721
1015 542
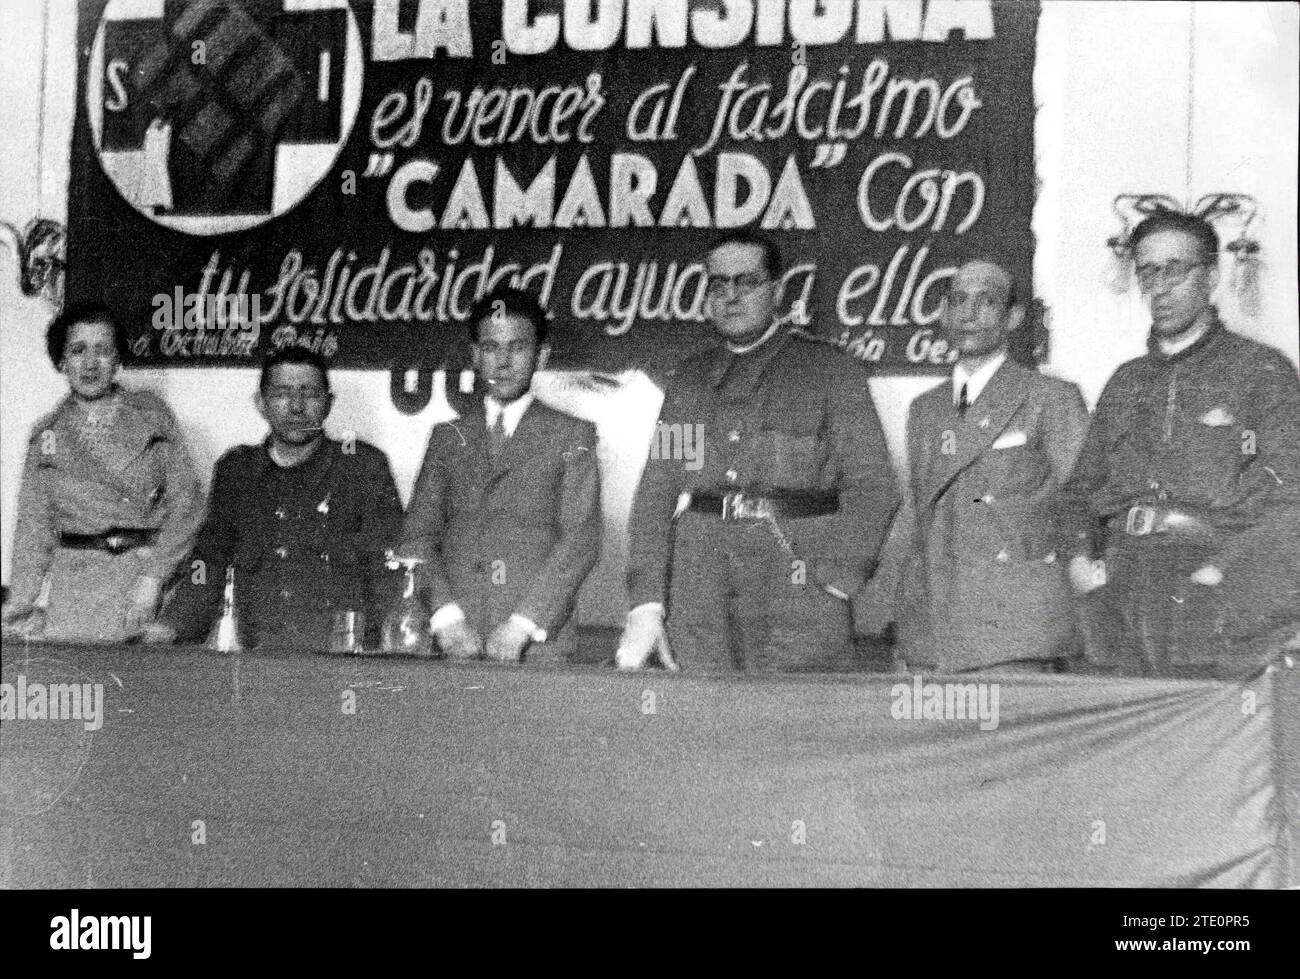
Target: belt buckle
738 506
1141 519
729 503
115 543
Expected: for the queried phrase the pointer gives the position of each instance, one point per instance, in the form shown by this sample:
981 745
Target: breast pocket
791 459
1015 469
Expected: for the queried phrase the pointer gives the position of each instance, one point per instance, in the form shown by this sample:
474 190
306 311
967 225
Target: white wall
1112 83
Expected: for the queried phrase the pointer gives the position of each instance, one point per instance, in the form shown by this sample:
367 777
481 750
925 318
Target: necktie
497 436
962 401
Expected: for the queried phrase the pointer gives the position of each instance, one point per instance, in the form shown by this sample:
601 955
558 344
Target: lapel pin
984 423
324 506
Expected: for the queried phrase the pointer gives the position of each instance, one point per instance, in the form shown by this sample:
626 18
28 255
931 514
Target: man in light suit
505 514
982 587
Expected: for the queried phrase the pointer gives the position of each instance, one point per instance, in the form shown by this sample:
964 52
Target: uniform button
984 423
285 594
324 556
281 552
280 514
732 474
987 498
1155 484
733 436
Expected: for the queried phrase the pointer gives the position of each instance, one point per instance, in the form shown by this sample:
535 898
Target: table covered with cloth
258 769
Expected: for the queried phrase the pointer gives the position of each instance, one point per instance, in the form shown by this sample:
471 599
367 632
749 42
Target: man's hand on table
459 640
507 642
643 636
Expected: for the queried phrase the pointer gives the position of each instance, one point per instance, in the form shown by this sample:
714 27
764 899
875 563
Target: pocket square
1217 418
1009 440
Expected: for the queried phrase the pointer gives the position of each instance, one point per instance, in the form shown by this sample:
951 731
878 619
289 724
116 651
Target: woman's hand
17 624
141 605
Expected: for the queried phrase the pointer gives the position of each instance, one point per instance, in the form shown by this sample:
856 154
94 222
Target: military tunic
1213 430
305 541
115 464
790 415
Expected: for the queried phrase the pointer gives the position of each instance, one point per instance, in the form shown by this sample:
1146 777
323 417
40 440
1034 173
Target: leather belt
775 506
1146 519
115 541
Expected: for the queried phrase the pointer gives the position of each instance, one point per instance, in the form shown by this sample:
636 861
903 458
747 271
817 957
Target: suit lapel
985 420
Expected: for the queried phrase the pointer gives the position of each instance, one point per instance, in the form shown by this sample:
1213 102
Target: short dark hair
514 302
56 335
1193 225
293 355
771 253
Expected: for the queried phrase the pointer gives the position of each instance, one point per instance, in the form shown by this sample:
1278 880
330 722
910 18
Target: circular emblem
215 116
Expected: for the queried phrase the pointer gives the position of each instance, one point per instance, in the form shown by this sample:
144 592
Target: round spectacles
1172 273
742 285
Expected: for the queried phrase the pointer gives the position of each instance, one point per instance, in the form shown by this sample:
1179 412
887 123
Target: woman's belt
117 540
790 505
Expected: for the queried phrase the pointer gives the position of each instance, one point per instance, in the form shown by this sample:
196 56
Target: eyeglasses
742 285
982 302
285 394
1171 273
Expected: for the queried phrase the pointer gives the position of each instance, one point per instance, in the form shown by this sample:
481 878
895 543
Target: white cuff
657 606
449 614
529 626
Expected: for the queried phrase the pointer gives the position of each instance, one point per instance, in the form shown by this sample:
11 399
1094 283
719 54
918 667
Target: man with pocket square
1182 517
977 582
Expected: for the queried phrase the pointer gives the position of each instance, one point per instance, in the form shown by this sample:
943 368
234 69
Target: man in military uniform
752 545
1187 489
305 521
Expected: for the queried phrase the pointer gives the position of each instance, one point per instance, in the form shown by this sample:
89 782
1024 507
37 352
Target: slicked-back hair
1192 225
56 334
771 253
986 260
293 355
513 302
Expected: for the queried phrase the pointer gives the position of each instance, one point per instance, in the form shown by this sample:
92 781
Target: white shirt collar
754 345
976 380
512 411
1171 347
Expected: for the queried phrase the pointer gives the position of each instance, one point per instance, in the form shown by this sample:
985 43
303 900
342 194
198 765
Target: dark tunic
1213 430
305 541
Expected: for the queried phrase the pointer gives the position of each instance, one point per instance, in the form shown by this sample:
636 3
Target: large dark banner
363 169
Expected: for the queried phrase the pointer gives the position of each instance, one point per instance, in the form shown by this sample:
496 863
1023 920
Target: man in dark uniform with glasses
1183 510
746 557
